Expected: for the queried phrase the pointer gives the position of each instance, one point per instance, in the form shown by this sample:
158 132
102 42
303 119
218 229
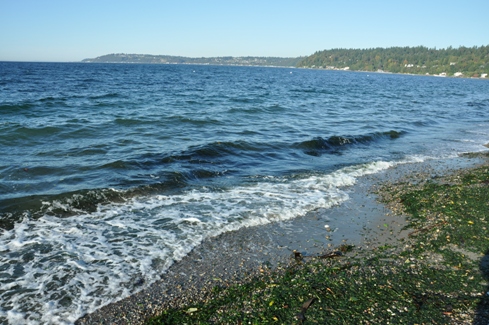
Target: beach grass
437 273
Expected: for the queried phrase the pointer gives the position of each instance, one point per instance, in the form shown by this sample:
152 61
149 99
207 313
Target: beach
146 181
236 257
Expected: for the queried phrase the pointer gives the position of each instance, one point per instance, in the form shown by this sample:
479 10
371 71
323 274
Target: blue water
109 173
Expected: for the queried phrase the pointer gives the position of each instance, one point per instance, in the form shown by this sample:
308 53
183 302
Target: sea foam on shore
237 255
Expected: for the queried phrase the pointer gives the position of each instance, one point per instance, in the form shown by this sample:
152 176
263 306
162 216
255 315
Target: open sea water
109 173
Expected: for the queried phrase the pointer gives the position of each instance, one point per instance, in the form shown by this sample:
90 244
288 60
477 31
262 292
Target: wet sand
237 256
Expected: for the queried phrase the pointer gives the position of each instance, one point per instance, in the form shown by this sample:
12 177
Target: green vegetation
470 61
168 59
437 275
462 61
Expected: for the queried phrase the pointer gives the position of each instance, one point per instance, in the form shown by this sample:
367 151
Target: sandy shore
236 256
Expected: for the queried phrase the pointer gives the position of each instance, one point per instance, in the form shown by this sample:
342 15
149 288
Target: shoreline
241 255
398 73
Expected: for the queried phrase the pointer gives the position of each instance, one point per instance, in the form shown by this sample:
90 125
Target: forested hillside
462 61
459 62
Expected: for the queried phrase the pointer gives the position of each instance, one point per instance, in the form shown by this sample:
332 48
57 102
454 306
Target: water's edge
237 255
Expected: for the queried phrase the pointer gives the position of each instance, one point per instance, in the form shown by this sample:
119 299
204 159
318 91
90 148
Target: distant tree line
462 61
468 61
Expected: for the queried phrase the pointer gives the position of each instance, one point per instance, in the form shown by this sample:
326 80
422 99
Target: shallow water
110 173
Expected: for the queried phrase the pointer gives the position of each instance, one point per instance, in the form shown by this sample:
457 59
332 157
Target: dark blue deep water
109 173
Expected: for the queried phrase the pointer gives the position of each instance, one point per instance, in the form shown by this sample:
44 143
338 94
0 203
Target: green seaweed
435 276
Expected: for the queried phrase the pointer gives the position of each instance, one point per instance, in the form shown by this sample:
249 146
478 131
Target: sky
65 30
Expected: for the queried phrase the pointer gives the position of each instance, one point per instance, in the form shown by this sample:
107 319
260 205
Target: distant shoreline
247 65
460 62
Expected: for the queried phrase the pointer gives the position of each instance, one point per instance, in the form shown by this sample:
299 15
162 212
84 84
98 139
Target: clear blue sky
66 30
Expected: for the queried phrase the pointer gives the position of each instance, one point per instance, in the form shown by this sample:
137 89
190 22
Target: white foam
81 263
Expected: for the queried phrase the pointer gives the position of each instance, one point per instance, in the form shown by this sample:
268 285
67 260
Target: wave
166 172
106 96
315 91
334 144
479 103
251 110
86 201
209 153
50 99
204 121
163 173
60 205
15 132
316 147
132 241
133 122
15 108
40 103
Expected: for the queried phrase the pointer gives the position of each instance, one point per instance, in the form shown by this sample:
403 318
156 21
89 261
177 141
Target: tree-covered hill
462 61
168 59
